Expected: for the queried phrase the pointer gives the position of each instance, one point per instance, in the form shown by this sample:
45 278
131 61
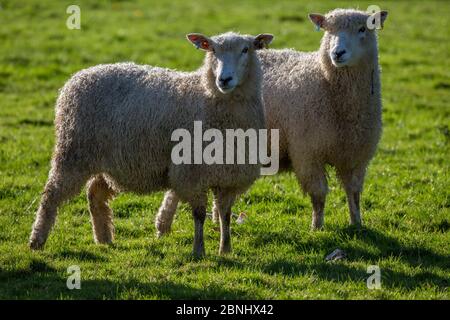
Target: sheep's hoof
199 254
104 241
162 228
317 222
316 227
36 244
224 251
104 236
161 233
198 257
356 225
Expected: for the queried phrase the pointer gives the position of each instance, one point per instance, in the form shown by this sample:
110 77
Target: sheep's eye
362 29
245 50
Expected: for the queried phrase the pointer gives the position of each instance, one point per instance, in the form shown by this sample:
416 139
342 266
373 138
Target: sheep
114 126
327 107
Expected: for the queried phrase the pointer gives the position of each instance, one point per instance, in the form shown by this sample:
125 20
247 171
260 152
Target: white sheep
114 125
327 106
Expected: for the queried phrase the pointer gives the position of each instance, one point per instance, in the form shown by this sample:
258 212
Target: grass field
406 202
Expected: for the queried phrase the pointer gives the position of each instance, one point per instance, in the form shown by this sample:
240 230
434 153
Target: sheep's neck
352 84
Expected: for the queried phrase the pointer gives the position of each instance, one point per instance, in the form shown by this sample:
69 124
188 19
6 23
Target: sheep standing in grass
327 106
114 125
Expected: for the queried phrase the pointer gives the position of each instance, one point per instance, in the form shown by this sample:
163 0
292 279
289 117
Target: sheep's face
348 36
230 55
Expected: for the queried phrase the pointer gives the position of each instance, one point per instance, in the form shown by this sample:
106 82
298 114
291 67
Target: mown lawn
406 203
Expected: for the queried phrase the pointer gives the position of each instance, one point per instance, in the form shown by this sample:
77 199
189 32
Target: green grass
406 202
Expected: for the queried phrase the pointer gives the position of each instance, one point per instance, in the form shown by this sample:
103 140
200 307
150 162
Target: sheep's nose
338 54
224 81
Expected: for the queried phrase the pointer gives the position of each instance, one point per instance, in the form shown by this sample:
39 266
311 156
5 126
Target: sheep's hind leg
199 214
353 182
314 183
99 193
318 203
215 209
354 207
166 212
224 202
61 186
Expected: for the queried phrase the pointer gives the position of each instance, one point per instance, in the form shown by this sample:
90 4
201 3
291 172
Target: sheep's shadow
415 255
42 281
386 246
338 272
80 255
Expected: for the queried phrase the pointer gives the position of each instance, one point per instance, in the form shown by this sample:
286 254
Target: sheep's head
229 56
349 34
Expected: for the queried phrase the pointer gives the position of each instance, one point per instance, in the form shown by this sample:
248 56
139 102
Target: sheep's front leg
199 214
223 204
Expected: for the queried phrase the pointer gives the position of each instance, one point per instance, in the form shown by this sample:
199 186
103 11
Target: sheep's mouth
341 62
226 89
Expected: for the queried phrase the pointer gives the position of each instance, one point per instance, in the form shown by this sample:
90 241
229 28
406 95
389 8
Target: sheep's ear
383 16
200 41
262 40
377 19
317 19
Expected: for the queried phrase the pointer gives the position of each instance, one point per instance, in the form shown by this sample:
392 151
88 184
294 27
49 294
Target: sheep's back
119 119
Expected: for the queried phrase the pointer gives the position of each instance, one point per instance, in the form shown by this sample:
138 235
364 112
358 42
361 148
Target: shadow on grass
415 256
80 255
39 280
339 272
47 283
387 246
